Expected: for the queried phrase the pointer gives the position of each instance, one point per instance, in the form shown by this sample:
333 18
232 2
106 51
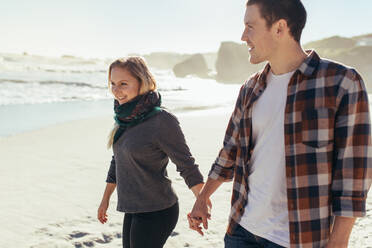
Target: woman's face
124 86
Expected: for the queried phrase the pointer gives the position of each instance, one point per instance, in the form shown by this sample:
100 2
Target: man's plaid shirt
327 148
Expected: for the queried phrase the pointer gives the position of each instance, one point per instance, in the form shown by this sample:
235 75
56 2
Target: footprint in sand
78 239
77 234
106 238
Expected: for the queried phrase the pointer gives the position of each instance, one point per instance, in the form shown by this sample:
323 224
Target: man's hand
200 214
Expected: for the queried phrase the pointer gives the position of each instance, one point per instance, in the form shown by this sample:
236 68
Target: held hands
101 214
200 213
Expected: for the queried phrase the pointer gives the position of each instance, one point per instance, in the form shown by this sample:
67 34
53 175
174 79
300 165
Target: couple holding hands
297 146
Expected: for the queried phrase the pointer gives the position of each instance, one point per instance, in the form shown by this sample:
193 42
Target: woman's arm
170 139
101 215
110 187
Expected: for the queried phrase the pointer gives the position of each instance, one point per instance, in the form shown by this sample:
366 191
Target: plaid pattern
327 148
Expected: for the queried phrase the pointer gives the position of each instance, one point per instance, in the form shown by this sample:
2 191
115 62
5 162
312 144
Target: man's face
259 38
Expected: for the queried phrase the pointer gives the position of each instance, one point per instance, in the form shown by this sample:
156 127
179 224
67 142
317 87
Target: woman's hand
200 214
194 224
101 215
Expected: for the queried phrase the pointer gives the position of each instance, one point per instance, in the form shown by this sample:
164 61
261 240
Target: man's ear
280 28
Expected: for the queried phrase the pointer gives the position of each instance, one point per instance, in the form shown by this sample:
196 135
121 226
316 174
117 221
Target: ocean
38 91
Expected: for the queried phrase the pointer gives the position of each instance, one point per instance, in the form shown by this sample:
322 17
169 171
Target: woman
144 138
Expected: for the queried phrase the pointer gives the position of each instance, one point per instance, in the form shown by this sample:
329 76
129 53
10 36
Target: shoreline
23 118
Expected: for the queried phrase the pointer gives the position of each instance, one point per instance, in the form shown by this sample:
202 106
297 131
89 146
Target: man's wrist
202 196
339 241
338 244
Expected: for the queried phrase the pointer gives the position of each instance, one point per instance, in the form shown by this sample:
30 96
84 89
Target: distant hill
163 60
233 66
231 62
167 60
332 44
195 65
355 52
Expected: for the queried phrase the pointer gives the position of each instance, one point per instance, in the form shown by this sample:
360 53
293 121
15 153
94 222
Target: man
297 145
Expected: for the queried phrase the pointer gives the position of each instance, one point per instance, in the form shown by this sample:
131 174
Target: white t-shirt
266 214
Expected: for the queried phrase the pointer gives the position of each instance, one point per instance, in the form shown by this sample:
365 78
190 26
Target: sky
96 28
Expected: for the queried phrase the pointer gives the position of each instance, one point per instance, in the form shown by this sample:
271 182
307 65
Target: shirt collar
308 67
310 64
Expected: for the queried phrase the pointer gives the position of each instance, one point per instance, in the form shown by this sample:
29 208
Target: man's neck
288 58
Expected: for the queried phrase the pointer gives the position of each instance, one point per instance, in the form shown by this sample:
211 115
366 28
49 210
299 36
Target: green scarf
136 111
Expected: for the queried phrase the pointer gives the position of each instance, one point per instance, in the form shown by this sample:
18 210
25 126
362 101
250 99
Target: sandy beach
52 180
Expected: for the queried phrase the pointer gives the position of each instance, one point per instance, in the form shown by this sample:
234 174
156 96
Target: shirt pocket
318 127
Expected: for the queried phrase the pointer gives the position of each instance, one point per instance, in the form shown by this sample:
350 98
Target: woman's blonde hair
137 67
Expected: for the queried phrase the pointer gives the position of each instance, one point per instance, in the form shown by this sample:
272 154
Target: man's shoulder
329 68
335 74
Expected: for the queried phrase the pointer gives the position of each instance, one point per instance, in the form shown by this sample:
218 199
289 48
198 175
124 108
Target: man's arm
341 232
351 172
222 170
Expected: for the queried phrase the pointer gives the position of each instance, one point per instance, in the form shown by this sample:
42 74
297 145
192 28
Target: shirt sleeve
171 141
351 172
111 175
223 167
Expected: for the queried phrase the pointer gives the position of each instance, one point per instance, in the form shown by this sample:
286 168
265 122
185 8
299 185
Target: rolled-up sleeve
171 141
223 167
111 175
351 172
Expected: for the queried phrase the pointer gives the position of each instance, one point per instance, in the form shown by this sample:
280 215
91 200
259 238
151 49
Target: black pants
149 230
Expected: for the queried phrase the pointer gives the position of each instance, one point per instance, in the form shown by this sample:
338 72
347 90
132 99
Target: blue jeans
241 238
